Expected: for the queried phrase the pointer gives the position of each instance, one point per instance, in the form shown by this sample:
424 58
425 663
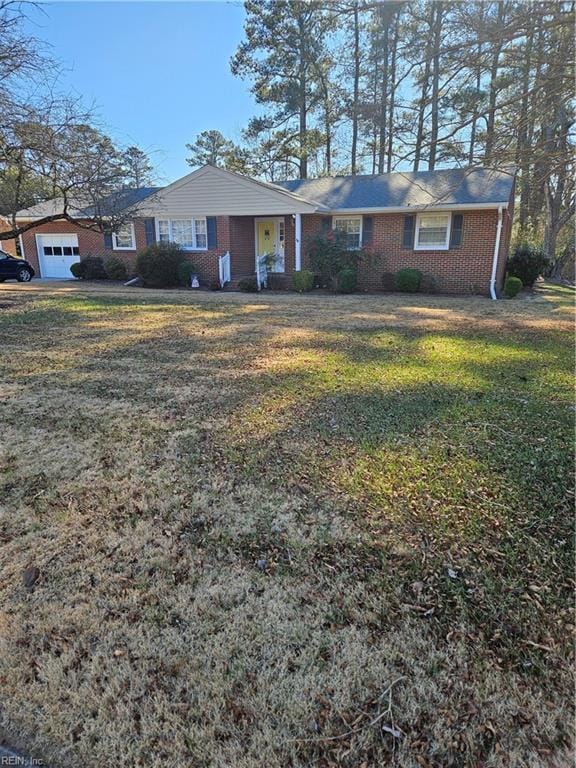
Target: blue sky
157 72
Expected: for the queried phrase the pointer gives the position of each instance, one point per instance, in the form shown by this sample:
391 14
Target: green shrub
328 255
77 269
93 267
408 280
248 285
115 268
527 262
185 272
303 281
512 286
158 265
346 281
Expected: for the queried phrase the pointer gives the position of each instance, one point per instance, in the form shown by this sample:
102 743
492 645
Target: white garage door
56 253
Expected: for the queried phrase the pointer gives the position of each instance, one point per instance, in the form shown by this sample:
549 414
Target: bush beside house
185 272
303 281
527 262
408 280
248 285
159 265
115 268
512 286
347 280
90 268
330 258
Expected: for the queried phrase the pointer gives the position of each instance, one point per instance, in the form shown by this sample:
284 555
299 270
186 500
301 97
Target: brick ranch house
453 225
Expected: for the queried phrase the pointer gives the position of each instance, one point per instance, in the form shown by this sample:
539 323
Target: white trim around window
438 234
190 234
353 223
120 238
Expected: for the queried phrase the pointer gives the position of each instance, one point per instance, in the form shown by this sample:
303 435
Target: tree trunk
423 96
327 129
355 91
491 117
472 144
391 105
383 94
374 127
435 87
522 147
303 106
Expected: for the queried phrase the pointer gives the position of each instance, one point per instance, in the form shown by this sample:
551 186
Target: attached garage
56 253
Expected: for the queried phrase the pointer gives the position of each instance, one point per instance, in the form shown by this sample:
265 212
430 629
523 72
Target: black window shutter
150 230
326 224
108 241
408 234
456 230
367 230
211 232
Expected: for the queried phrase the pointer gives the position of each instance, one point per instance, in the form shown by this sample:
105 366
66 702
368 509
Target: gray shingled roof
460 186
126 198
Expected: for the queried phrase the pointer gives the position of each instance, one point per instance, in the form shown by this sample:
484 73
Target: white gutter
425 207
495 258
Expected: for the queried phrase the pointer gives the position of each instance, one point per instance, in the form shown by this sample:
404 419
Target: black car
13 268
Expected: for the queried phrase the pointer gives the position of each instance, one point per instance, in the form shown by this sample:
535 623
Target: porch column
297 242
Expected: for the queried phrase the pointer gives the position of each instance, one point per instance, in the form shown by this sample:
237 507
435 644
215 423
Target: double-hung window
123 239
432 232
190 234
351 229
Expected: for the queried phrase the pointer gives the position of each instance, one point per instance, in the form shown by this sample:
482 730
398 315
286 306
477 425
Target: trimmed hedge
408 280
303 281
77 270
158 265
115 268
512 286
346 281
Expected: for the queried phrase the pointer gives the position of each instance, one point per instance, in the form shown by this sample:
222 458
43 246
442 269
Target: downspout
298 242
495 257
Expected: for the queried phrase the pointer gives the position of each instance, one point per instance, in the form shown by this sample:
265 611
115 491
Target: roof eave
423 207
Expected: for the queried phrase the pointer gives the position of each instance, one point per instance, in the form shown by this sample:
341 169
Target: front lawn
270 531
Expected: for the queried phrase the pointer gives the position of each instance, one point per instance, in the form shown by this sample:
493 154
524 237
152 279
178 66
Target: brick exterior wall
462 270
242 246
91 243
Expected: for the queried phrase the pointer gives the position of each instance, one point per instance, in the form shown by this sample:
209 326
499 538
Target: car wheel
24 275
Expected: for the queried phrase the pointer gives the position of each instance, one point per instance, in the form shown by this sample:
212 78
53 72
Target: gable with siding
214 191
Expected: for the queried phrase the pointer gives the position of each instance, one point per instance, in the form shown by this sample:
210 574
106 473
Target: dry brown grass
157 446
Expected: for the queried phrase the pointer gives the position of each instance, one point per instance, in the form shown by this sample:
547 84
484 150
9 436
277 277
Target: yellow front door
266 239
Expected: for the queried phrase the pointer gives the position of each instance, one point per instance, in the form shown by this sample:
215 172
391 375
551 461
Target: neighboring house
453 225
